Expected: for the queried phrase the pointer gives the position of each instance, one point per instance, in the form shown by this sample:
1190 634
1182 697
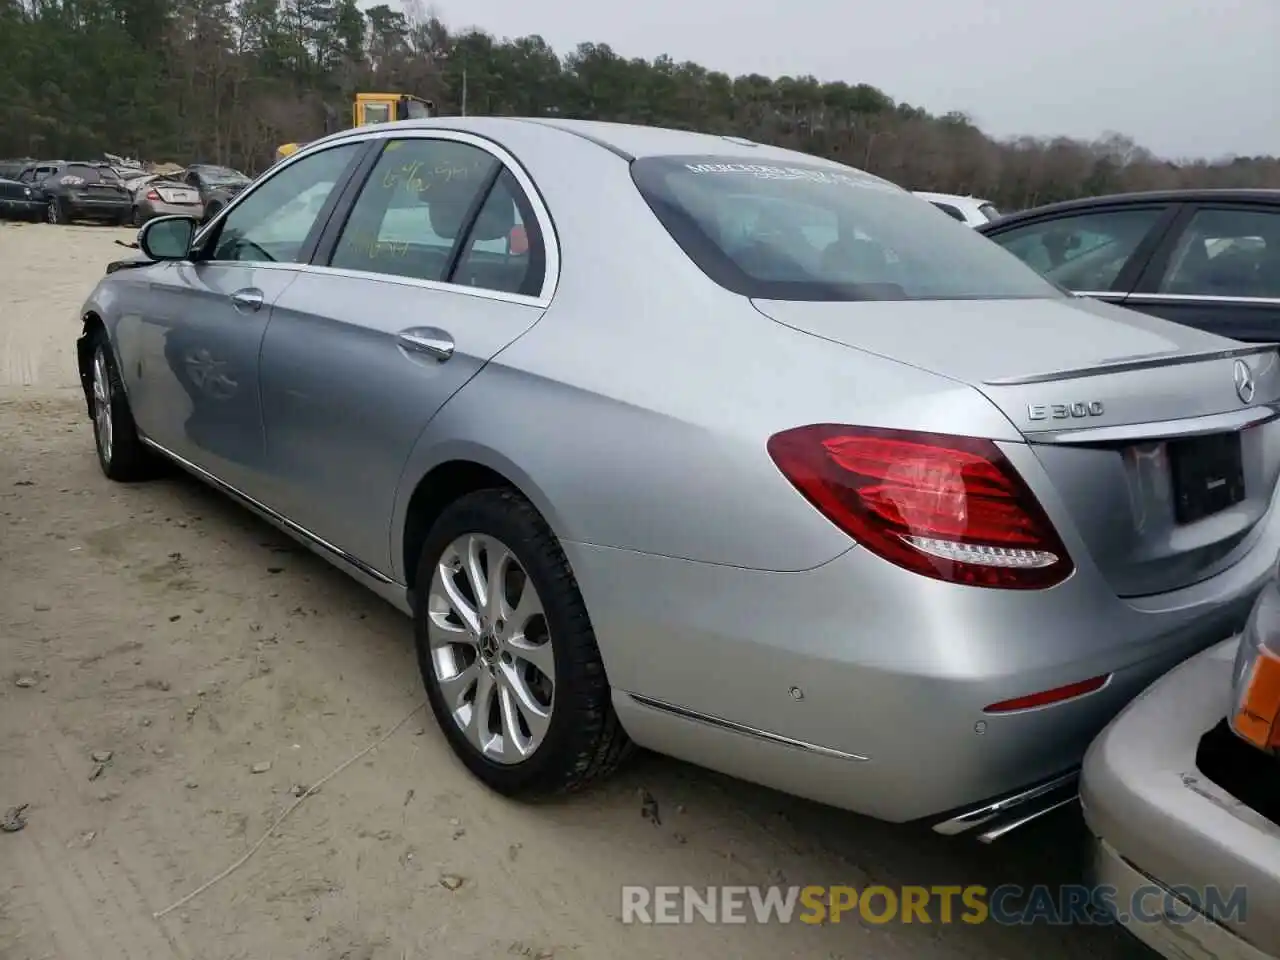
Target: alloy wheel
102 403
491 650
51 211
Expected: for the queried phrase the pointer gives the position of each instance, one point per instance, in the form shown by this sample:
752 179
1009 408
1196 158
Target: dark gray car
217 185
71 190
1206 258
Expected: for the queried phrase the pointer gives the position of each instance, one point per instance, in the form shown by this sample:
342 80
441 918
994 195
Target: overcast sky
1182 77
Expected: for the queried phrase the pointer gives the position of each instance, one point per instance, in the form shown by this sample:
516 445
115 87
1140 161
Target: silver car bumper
1193 938
1160 824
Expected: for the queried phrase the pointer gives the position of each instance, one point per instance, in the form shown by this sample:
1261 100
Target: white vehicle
970 210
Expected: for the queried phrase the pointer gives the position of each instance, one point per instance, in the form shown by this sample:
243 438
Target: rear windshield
91 174
221 174
810 232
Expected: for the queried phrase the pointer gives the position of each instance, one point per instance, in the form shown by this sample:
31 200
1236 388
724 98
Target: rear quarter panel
635 414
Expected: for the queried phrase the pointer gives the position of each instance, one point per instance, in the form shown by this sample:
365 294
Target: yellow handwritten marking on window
406 174
369 245
417 180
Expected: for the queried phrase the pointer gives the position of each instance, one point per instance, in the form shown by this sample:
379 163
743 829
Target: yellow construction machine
374 108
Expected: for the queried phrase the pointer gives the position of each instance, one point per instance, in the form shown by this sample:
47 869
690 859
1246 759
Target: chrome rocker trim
741 728
1014 810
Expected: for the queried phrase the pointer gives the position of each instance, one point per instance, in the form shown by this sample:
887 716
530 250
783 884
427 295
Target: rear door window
444 211
87 174
1226 253
416 202
1084 252
504 250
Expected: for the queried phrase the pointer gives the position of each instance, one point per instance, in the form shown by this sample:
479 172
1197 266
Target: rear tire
542 734
121 453
136 218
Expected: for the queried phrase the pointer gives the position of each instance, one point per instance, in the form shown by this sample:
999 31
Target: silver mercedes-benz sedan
724 450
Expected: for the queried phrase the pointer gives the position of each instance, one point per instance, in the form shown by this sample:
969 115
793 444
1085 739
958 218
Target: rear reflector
1046 697
950 508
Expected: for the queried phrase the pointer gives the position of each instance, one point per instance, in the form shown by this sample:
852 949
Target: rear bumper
83 209
861 686
1158 820
151 209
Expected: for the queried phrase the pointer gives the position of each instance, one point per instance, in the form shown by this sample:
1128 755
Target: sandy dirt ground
186 645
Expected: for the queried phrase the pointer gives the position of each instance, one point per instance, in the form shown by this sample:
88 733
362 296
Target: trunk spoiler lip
1232 421
1126 364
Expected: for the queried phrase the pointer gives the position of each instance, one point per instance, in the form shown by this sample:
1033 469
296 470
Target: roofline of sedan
1228 195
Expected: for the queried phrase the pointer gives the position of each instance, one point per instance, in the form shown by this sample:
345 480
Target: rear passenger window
1082 252
416 202
1227 253
504 250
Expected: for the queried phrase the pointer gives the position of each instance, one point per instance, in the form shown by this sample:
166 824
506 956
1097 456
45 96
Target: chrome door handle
429 340
249 299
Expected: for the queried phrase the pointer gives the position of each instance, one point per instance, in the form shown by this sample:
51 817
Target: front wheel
121 452
507 652
53 211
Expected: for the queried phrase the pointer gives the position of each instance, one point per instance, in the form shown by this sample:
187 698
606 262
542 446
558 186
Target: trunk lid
173 193
1163 467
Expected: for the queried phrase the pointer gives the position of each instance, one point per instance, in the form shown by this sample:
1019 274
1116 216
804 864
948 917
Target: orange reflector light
1046 697
1257 717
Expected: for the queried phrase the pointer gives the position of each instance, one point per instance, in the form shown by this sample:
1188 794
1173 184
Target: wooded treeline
225 81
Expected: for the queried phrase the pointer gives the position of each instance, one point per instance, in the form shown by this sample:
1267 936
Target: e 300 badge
1064 411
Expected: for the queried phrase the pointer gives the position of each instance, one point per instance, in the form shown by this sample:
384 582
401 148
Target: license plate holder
1207 474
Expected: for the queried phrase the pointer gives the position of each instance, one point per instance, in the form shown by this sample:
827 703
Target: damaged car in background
216 185
164 195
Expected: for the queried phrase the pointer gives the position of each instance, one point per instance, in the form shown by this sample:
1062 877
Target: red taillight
951 508
152 195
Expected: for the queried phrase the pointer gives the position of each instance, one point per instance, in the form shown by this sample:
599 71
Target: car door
1095 252
1218 270
440 263
200 322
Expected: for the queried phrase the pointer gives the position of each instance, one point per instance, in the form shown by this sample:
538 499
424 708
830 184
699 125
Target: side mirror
167 238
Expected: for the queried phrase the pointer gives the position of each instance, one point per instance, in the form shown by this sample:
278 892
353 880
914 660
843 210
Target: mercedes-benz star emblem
1244 382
